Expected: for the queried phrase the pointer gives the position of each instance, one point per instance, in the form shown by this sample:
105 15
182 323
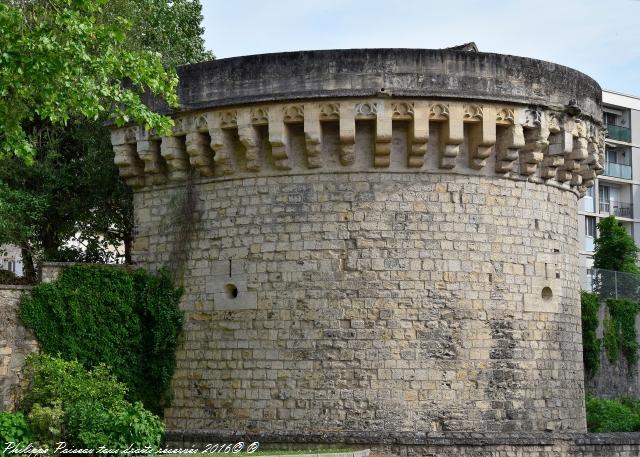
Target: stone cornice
470 137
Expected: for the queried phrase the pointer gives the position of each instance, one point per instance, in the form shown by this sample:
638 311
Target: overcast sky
598 37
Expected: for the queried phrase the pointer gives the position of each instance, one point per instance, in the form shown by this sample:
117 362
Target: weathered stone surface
396 72
384 302
15 343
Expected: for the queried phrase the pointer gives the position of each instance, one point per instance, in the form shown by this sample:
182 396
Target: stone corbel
510 141
221 144
155 168
173 151
313 135
200 153
278 138
451 132
129 164
419 134
482 134
382 155
536 136
560 144
588 175
580 151
347 133
596 156
572 161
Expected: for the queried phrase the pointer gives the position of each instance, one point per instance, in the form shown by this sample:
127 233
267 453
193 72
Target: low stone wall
451 444
15 343
49 271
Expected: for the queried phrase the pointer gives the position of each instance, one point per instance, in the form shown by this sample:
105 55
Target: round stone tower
372 240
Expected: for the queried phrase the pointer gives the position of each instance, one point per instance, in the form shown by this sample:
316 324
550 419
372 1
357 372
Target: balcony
619 133
616 208
617 170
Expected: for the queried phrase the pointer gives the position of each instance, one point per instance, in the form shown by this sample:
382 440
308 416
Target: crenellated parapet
367 134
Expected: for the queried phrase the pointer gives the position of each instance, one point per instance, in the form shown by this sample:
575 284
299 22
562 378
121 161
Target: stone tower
380 240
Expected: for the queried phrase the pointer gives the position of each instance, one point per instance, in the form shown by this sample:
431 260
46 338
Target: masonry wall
371 301
15 343
451 444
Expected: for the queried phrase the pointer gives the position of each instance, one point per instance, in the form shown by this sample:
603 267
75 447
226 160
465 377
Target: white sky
599 37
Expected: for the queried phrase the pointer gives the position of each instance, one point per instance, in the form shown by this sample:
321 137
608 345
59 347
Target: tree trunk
28 267
127 239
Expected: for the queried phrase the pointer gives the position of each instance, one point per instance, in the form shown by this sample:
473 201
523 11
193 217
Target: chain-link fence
612 284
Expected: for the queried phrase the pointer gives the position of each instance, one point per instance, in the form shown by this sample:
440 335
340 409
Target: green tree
171 27
615 248
73 190
59 62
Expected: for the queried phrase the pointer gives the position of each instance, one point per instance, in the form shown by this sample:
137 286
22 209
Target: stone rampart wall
371 301
15 343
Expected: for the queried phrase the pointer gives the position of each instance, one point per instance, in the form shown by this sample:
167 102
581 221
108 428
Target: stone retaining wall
15 343
456 444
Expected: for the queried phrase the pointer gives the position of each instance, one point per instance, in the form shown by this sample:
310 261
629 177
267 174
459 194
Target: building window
610 118
590 226
590 192
11 266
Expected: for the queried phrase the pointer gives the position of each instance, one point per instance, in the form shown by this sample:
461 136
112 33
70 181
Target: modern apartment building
617 190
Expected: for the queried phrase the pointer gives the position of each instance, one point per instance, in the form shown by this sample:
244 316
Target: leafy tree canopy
171 27
615 248
59 61
72 190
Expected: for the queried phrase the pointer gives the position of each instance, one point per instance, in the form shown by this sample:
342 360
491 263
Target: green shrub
47 423
13 428
92 406
621 415
590 342
128 321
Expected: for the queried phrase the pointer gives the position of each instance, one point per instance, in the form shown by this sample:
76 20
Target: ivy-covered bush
13 428
590 341
129 321
621 415
84 408
620 333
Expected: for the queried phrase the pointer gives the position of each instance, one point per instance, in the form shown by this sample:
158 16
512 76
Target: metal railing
616 208
617 170
612 284
619 133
